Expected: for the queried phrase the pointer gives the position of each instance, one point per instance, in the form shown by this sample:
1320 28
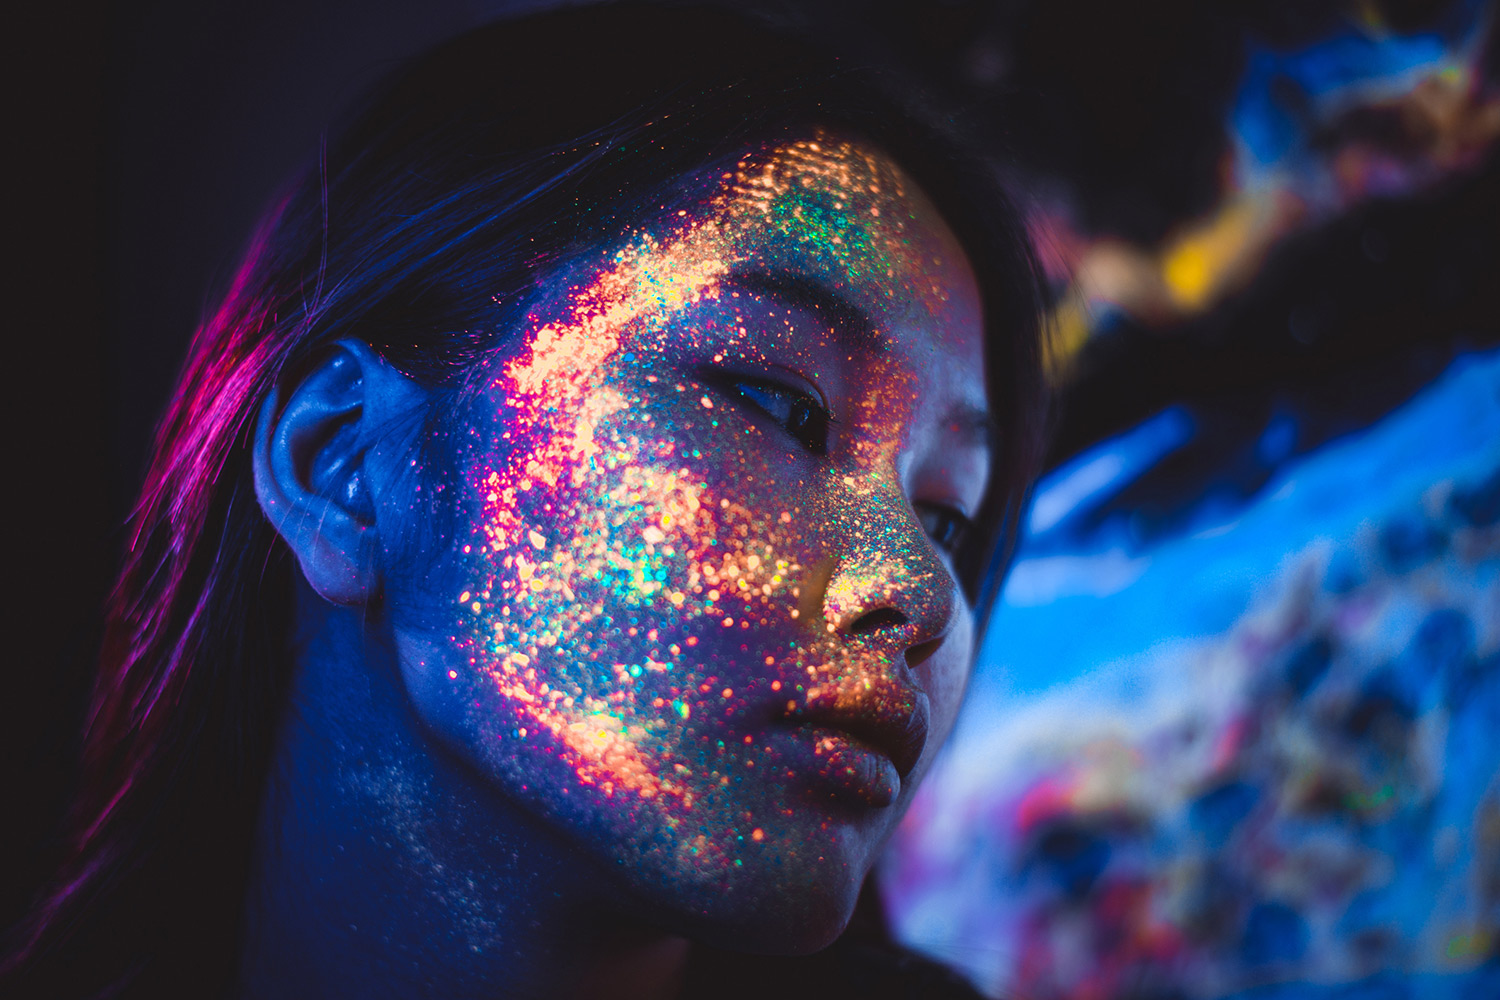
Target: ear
312 473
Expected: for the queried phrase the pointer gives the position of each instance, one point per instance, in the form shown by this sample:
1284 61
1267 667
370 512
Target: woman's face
702 614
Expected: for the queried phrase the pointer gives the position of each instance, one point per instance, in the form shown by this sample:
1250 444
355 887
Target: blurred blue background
1236 728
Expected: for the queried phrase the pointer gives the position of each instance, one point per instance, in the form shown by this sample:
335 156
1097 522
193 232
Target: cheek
613 593
945 677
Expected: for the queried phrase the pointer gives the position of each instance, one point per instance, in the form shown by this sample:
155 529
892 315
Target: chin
787 918
777 902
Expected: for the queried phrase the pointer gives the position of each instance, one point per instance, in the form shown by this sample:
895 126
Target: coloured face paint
698 618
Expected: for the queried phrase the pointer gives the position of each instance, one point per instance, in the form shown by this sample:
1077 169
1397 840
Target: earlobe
312 474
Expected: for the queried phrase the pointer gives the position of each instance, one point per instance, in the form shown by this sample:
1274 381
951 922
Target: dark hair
422 230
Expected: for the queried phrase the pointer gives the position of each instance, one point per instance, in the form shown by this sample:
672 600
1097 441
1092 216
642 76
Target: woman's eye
798 413
944 525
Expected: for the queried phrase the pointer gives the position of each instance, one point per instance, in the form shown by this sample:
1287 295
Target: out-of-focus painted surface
1313 132
1236 728
1262 751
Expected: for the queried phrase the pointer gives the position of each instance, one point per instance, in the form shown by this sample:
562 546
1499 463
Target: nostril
876 620
921 651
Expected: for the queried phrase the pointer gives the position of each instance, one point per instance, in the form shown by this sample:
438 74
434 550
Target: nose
888 586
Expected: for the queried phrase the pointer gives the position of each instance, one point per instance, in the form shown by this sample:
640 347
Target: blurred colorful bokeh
1236 728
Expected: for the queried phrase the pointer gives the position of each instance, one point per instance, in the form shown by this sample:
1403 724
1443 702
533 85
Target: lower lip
831 764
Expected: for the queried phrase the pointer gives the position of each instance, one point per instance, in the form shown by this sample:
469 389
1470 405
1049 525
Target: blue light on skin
450 817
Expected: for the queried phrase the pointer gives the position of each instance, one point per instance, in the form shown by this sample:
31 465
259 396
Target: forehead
838 215
828 219
827 223
848 211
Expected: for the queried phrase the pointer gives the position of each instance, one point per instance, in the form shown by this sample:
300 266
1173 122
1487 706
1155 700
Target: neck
384 869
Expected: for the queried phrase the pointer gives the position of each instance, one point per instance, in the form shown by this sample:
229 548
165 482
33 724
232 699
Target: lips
857 742
891 719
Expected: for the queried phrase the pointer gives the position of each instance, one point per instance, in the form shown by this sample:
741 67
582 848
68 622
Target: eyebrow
851 324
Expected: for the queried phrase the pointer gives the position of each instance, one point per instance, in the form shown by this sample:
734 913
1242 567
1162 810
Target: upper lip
891 717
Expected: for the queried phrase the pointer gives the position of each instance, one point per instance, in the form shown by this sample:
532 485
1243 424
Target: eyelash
805 419
946 526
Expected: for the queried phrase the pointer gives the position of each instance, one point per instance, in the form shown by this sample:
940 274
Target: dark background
146 138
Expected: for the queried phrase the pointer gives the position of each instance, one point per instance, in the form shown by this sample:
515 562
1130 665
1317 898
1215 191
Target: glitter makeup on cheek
634 582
